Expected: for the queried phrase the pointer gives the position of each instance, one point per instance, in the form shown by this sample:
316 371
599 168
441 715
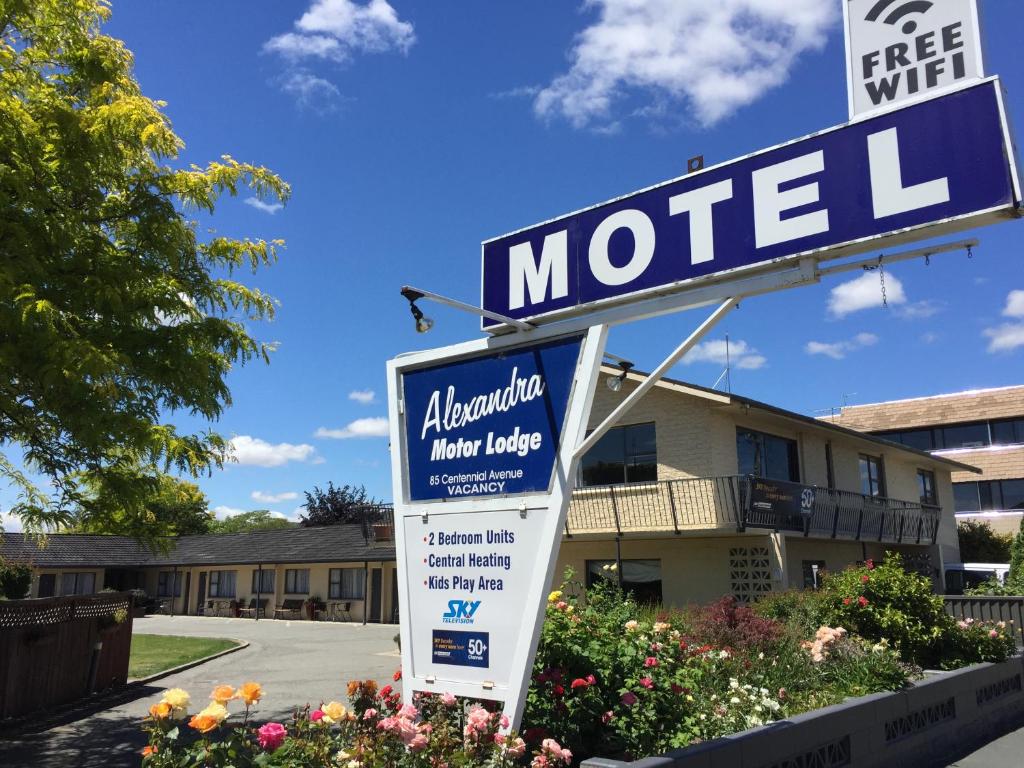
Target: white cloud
839 349
261 205
918 310
362 396
309 90
223 512
715 56
273 498
740 354
372 427
929 337
1014 304
10 523
254 452
1005 338
336 29
864 292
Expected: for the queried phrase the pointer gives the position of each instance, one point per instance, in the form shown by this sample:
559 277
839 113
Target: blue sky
412 131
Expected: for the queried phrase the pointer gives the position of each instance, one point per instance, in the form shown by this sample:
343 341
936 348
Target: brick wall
978 405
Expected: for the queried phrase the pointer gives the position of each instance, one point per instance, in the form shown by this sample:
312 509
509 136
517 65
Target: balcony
740 503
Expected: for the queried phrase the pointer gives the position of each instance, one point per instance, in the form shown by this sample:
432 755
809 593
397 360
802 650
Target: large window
626 454
975 434
222 583
347 584
77 583
988 495
164 582
296 581
47 584
926 487
872 476
767 456
262 581
640 578
1008 431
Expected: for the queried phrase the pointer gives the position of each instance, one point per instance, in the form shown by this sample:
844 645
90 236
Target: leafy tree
15 579
257 520
116 310
147 507
1015 578
347 504
980 544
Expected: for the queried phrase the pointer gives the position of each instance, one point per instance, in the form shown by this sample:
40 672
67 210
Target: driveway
295 661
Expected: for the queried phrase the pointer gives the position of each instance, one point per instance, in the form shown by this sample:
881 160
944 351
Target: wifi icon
899 13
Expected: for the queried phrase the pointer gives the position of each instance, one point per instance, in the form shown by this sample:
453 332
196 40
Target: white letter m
525 273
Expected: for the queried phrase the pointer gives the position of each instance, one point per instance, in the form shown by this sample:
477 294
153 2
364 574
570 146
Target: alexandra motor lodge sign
946 161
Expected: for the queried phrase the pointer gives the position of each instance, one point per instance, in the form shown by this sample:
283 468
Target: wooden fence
985 608
58 650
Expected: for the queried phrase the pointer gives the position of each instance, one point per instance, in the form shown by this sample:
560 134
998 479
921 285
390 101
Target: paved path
1005 752
295 661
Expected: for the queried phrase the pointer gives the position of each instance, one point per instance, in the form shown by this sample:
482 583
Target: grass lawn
153 653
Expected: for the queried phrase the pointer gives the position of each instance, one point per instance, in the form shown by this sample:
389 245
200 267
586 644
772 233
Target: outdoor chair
253 610
289 608
336 611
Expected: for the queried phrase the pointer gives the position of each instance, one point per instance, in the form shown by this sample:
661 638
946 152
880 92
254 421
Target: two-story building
698 494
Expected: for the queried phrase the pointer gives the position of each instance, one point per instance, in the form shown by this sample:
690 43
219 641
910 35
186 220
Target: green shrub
15 580
801 611
885 603
980 544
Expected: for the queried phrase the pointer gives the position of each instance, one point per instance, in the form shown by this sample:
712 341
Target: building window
966 436
47 584
626 454
77 583
926 487
163 584
222 583
347 584
296 581
972 435
641 579
263 582
988 495
1008 432
813 571
767 456
872 476
830 469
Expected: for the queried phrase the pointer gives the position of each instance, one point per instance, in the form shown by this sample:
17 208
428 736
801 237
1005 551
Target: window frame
626 460
79 579
265 573
879 481
292 577
925 483
161 583
792 446
591 577
216 586
357 593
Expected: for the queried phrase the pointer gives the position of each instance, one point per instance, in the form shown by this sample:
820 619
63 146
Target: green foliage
257 520
143 505
347 504
1015 578
118 310
15 580
980 544
886 603
800 610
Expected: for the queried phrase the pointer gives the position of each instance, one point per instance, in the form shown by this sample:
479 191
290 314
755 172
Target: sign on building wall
482 437
490 425
779 505
932 167
899 50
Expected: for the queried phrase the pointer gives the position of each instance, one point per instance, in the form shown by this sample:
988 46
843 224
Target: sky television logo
460 611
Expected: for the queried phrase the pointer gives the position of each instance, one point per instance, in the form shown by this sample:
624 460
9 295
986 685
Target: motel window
164 581
347 584
767 456
296 581
262 582
77 583
966 435
222 583
872 476
47 584
1008 432
626 454
926 487
641 579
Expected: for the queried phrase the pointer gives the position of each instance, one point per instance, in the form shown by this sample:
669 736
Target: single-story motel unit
697 494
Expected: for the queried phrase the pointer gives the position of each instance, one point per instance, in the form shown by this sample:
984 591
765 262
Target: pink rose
369 714
448 699
629 698
417 742
316 715
516 749
647 683
650 661
271 736
993 634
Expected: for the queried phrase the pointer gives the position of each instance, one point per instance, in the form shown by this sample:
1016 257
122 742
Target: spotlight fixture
615 382
423 323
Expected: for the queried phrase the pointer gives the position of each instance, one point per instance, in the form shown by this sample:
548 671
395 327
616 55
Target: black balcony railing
692 505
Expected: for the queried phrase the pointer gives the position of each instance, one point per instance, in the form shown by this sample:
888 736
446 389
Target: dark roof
333 544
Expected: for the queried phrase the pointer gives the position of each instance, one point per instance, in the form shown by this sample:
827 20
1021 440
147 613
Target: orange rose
222 694
203 723
148 750
353 688
160 710
250 693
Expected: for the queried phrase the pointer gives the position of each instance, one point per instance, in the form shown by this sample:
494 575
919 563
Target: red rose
397 676
579 682
647 683
386 691
558 690
865 579
862 601
846 601
591 679
870 564
677 688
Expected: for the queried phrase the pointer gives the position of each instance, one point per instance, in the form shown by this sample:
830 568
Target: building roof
727 398
934 410
327 544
